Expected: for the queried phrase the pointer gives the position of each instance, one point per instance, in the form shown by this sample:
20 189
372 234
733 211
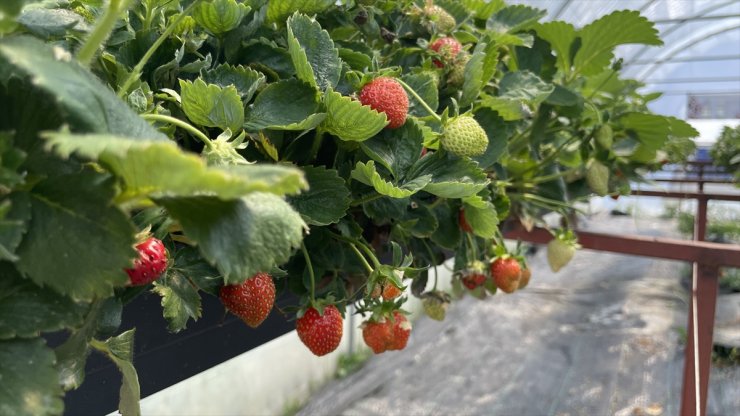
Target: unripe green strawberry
559 253
448 49
456 77
252 300
435 308
439 19
386 95
604 136
464 137
597 177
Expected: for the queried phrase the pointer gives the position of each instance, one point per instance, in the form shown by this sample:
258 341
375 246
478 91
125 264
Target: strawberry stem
101 31
473 246
362 258
310 272
420 100
431 257
179 123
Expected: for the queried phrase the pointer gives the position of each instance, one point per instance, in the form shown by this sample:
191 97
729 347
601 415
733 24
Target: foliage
726 150
230 129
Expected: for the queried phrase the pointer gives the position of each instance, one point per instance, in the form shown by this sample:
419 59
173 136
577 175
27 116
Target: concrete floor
601 337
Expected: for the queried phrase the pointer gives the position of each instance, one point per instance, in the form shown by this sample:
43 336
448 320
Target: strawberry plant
301 141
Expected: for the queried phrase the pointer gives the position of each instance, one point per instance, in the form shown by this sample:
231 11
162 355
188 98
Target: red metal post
704 299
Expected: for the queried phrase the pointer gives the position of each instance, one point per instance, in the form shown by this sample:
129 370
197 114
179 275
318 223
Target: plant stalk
420 100
179 123
101 31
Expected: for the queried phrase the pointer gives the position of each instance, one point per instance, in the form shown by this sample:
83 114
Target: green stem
364 248
310 272
362 258
136 72
316 145
101 31
179 123
473 246
431 255
548 178
420 100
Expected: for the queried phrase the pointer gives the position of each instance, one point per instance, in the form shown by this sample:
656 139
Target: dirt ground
601 337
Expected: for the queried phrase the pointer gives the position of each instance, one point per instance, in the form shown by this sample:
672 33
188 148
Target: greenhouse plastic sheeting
701 55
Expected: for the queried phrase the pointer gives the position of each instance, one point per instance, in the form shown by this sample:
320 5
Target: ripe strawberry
390 291
439 19
524 281
152 262
387 96
252 300
464 225
377 335
447 48
320 333
559 253
401 332
475 275
463 136
506 273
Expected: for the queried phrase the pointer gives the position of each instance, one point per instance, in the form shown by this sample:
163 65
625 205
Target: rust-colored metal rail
707 259
691 180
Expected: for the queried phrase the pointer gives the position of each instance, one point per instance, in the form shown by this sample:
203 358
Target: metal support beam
695 18
691 80
684 59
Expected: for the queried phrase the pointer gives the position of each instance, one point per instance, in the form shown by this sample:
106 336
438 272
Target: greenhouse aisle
602 337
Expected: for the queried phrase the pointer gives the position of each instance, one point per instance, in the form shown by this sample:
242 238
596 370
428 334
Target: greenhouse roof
700 57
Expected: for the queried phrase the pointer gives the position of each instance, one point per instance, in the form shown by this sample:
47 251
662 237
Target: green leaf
448 233
180 300
367 174
478 71
14 215
563 96
212 106
156 169
189 263
396 149
315 59
483 9
246 80
599 39
356 60
498 132
451 177
278 11
285 105
26 309
51 23
514 18
509 109
220 16
525 87
87 103
680 128
72 354
425 84
120 350
560 36
29 379
240 237
327 199
349 120
77 243
483 220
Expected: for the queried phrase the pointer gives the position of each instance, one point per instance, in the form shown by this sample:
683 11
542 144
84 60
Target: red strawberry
474 276
152 262
464 225
401 332
387 96
377 335
447 48
524 281
506 273
252 300
390 291
320 333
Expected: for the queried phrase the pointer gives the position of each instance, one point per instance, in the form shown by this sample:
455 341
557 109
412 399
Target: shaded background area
602 337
